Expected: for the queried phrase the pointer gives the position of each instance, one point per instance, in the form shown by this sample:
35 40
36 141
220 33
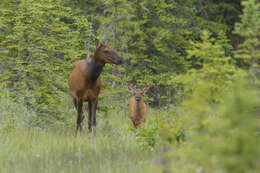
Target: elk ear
131 88
105 40
146 88
97 43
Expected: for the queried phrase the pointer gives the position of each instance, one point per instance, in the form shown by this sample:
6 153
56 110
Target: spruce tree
39 42
249 29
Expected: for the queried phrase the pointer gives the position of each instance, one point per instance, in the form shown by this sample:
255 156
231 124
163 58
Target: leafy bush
163 128
224 139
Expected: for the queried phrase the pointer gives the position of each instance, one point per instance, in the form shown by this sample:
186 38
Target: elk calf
136 106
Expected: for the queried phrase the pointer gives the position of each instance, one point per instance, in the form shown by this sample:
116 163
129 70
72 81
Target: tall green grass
199 137
39 151
26 147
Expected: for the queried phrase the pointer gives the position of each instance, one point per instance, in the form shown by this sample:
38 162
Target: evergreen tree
249 29
210 67
39 42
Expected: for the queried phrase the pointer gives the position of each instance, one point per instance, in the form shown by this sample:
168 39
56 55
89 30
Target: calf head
138 93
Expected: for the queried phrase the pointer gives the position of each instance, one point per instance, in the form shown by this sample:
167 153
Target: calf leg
89 116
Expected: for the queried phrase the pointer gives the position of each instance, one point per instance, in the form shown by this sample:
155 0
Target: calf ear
104 41
97 43
146 88
131 88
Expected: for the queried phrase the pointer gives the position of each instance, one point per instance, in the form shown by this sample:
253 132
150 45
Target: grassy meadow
25 148
38 151
221 138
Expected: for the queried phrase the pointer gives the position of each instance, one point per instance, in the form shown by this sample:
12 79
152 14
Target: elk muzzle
138 97
116 59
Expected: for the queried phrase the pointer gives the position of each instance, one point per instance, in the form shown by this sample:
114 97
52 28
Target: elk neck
94 69
138 106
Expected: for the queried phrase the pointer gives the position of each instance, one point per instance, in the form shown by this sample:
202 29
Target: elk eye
106 51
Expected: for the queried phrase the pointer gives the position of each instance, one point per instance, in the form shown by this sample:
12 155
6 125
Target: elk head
138 93
105 54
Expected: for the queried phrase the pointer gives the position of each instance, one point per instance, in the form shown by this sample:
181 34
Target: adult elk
136 106
85 82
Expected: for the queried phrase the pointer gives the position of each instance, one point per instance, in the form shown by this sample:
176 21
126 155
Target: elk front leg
75 103
93 112
80 117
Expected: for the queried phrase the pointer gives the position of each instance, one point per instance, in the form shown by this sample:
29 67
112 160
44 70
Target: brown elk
85 82
136 106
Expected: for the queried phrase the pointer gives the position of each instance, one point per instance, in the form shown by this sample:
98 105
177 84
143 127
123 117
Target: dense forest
201 60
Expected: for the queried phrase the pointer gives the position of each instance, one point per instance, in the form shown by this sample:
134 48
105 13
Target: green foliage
162 129
39 41
249 29
224 140
210 67
147 136
242 125
14 114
